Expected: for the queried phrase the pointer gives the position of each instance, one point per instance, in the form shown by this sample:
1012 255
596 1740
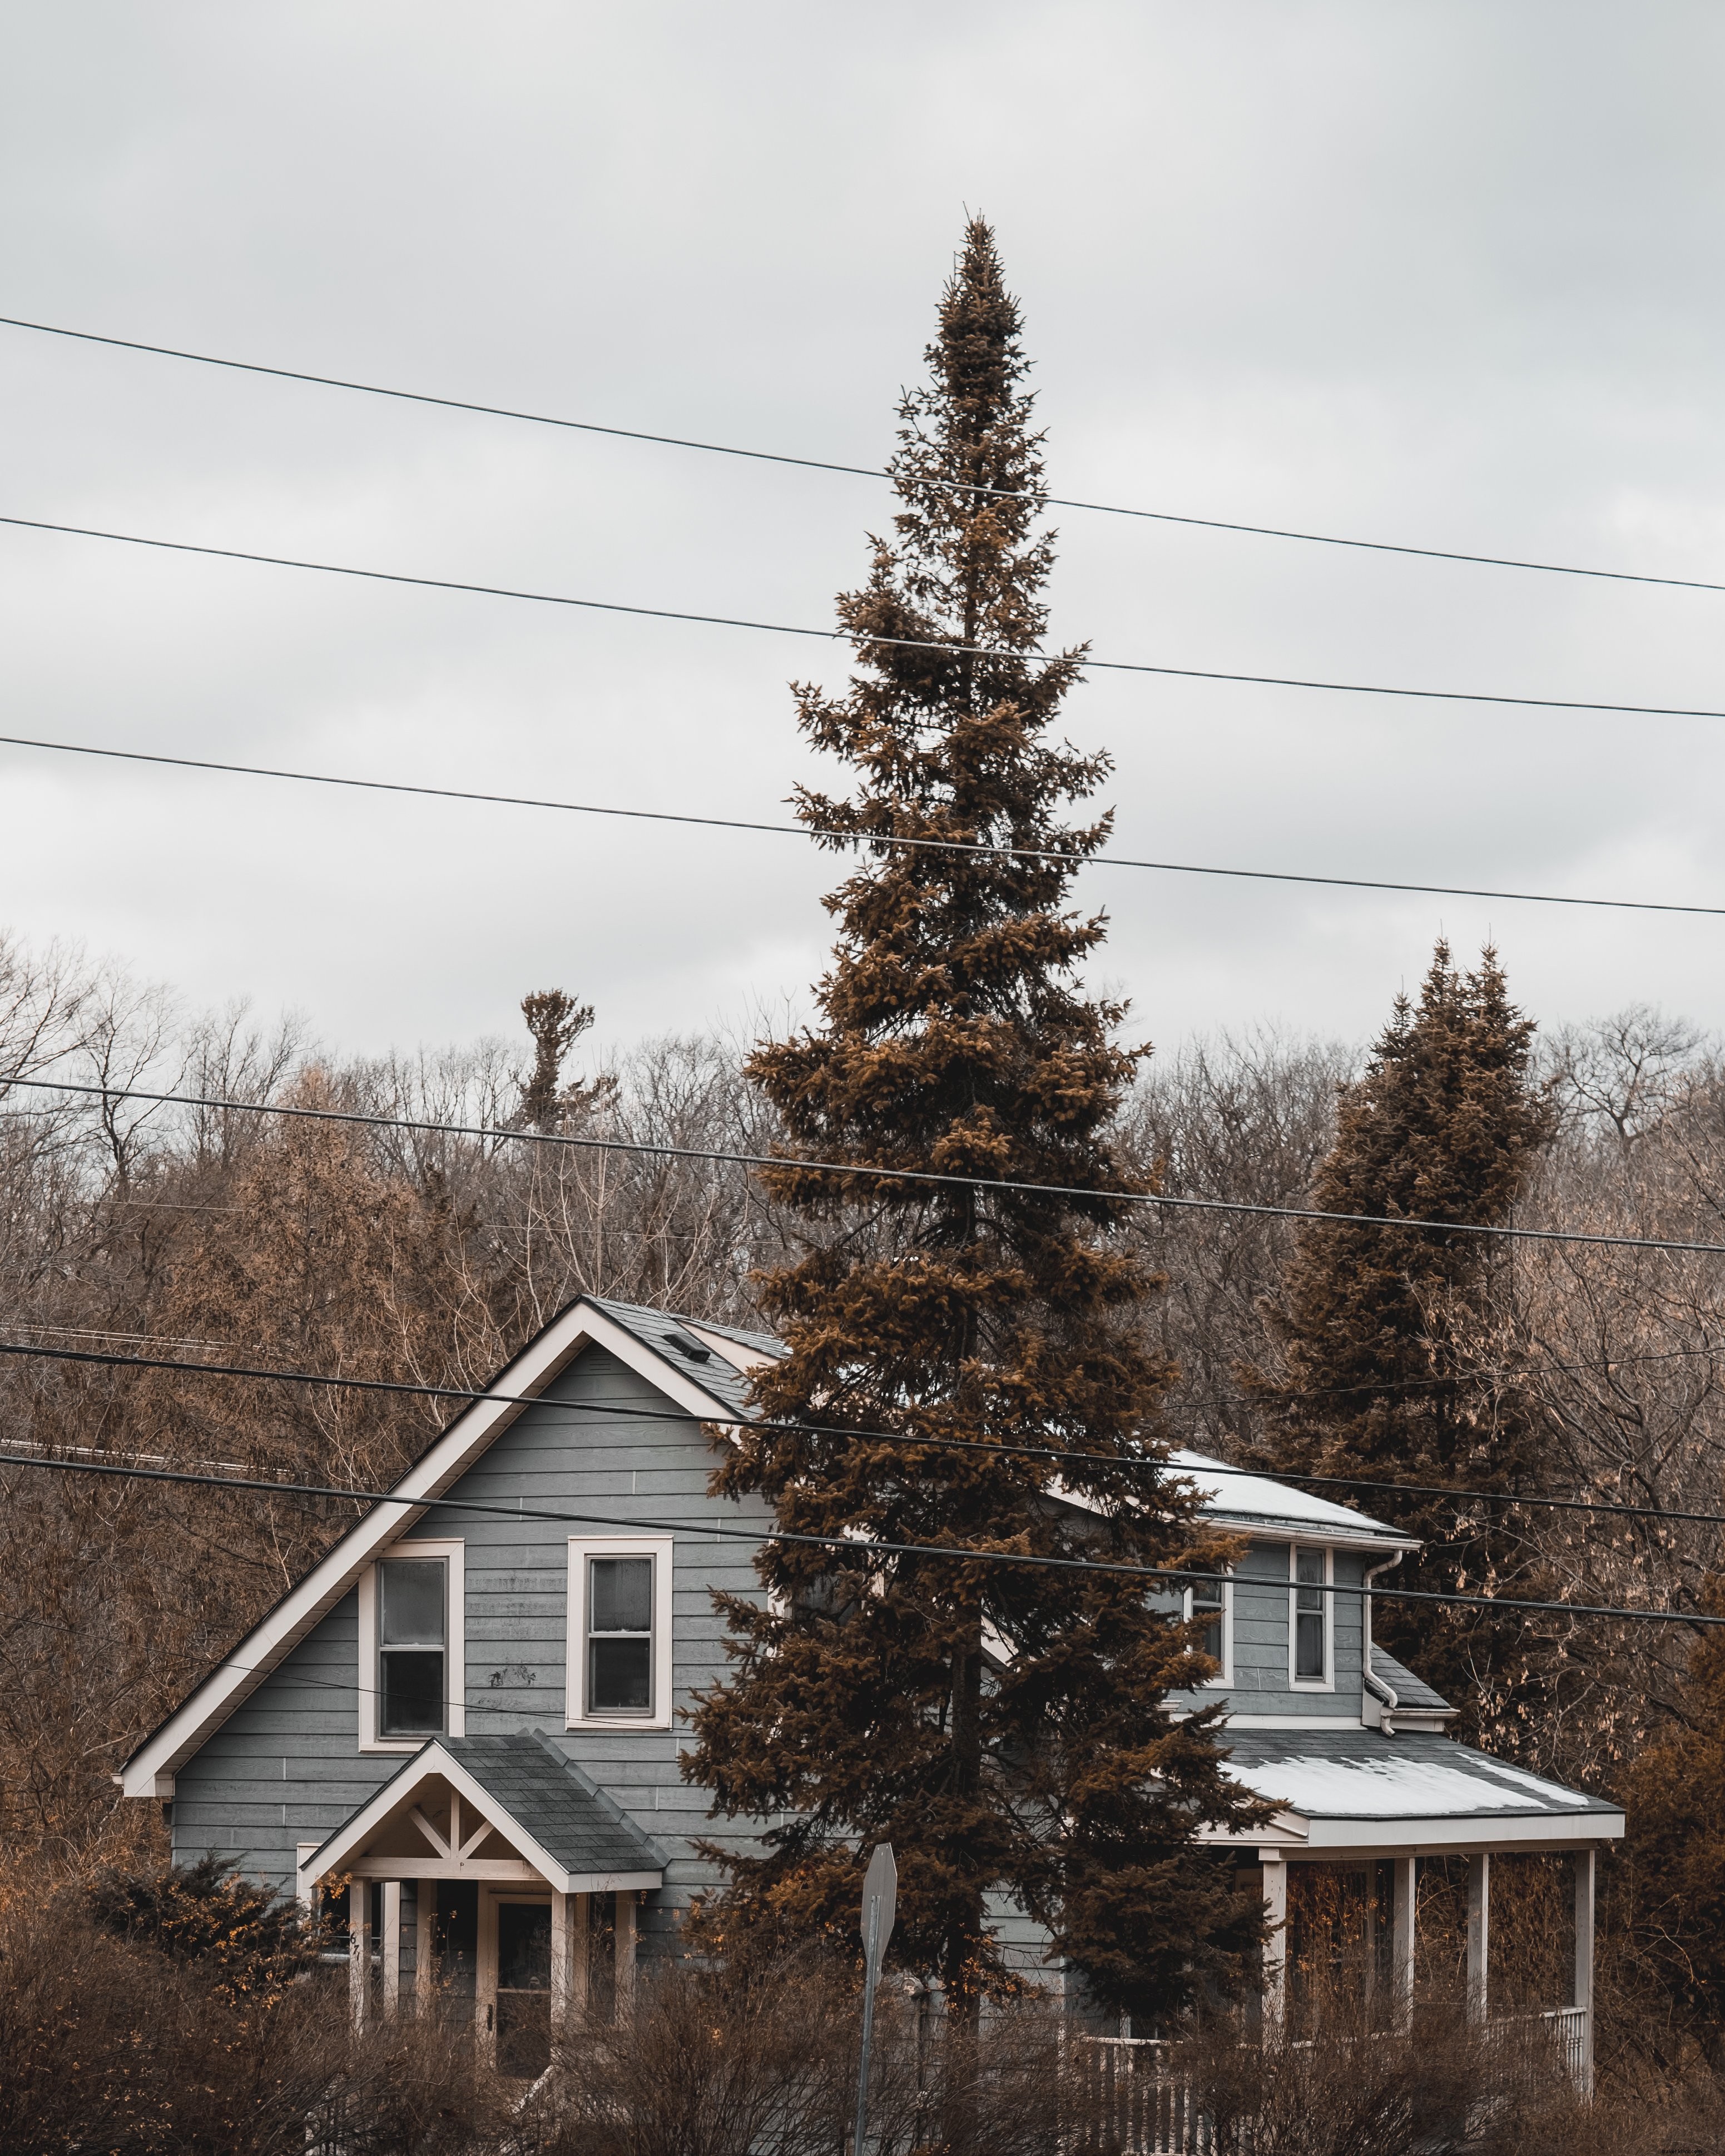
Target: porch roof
533 1797
1354 1786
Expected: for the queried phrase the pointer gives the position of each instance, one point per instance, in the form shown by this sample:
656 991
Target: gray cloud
1444 274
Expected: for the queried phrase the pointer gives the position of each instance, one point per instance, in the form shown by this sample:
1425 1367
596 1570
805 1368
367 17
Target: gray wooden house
465 1718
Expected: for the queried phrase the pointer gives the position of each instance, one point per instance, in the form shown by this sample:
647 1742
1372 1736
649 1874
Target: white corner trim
662 1549
305 1605
454 1555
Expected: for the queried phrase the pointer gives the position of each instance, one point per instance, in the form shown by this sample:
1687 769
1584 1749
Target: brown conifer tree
1006 1729
1669 1892
1386 1333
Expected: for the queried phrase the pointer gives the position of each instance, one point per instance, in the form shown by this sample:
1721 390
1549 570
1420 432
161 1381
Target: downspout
1374 1683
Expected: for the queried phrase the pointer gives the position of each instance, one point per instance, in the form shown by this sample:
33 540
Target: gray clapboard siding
1260 1682
572 1451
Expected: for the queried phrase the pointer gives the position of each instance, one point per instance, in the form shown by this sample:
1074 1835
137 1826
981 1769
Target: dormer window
1309 1620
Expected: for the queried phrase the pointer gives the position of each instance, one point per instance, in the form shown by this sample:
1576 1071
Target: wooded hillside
198 1235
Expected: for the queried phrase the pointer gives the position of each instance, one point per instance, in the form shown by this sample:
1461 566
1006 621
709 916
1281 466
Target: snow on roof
1358 1774
1233 1494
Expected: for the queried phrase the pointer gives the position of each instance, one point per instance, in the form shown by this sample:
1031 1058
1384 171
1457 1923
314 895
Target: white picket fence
1142 2111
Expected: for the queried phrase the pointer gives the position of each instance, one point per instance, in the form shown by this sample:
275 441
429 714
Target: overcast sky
1441 273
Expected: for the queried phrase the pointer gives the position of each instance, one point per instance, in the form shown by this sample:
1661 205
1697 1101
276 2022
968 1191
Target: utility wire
864 1172
859 839
860 471
1168 1469
958 1553
1083 663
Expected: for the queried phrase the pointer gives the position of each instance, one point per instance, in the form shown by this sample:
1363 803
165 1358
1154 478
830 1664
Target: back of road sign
880 1906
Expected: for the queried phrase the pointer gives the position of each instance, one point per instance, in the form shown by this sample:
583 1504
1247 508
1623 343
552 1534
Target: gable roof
700 1367
713 1391
696 1349
566 1828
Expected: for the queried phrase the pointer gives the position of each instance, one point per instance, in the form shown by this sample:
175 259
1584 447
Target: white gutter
1385 1693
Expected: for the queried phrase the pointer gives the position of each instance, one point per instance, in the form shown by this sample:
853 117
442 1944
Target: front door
517 1957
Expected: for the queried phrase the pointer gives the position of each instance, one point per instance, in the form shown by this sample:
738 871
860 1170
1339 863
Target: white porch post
628 1906
425 1948
1276 1947
359 1951
1479 1937
580 1953
392 1948
562 1960
1584 1865
1403 1937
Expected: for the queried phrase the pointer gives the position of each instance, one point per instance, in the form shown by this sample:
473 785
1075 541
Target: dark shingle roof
551 1798
658 1329
1410 1691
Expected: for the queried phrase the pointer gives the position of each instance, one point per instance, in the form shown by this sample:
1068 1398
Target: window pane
410 1684
1309 1567
524 1946
1309 1648
619 1679
621 1597
1212 1641
413 1597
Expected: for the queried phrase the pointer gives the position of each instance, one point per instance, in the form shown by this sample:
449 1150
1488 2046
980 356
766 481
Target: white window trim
454 1554
659 1548
1327 1682
1221 1682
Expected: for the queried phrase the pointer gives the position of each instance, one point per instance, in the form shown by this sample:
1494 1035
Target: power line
1083 664
957 1553
1165 1468
863 472
860 839
862 1170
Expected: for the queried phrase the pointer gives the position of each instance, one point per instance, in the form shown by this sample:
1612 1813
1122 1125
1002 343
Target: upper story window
412 1630
1212 1599
619 1635
411 1620
1310 1625
620 1632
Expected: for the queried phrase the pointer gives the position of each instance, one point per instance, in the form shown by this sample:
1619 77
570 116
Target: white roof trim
1437 1836
348 1841
150 1771
1257 1502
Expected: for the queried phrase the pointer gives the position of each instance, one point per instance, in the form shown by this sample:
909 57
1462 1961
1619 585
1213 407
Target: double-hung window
412 1634
1208 1601
1309 1618
619 1632
619 1635
412 1680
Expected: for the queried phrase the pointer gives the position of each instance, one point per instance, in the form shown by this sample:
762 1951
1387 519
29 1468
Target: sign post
880 1906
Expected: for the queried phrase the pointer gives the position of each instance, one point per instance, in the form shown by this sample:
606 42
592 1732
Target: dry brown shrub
762 2060
110 2048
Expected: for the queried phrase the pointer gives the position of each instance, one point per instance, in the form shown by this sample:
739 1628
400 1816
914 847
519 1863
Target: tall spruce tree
1387 1335
1006 1729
